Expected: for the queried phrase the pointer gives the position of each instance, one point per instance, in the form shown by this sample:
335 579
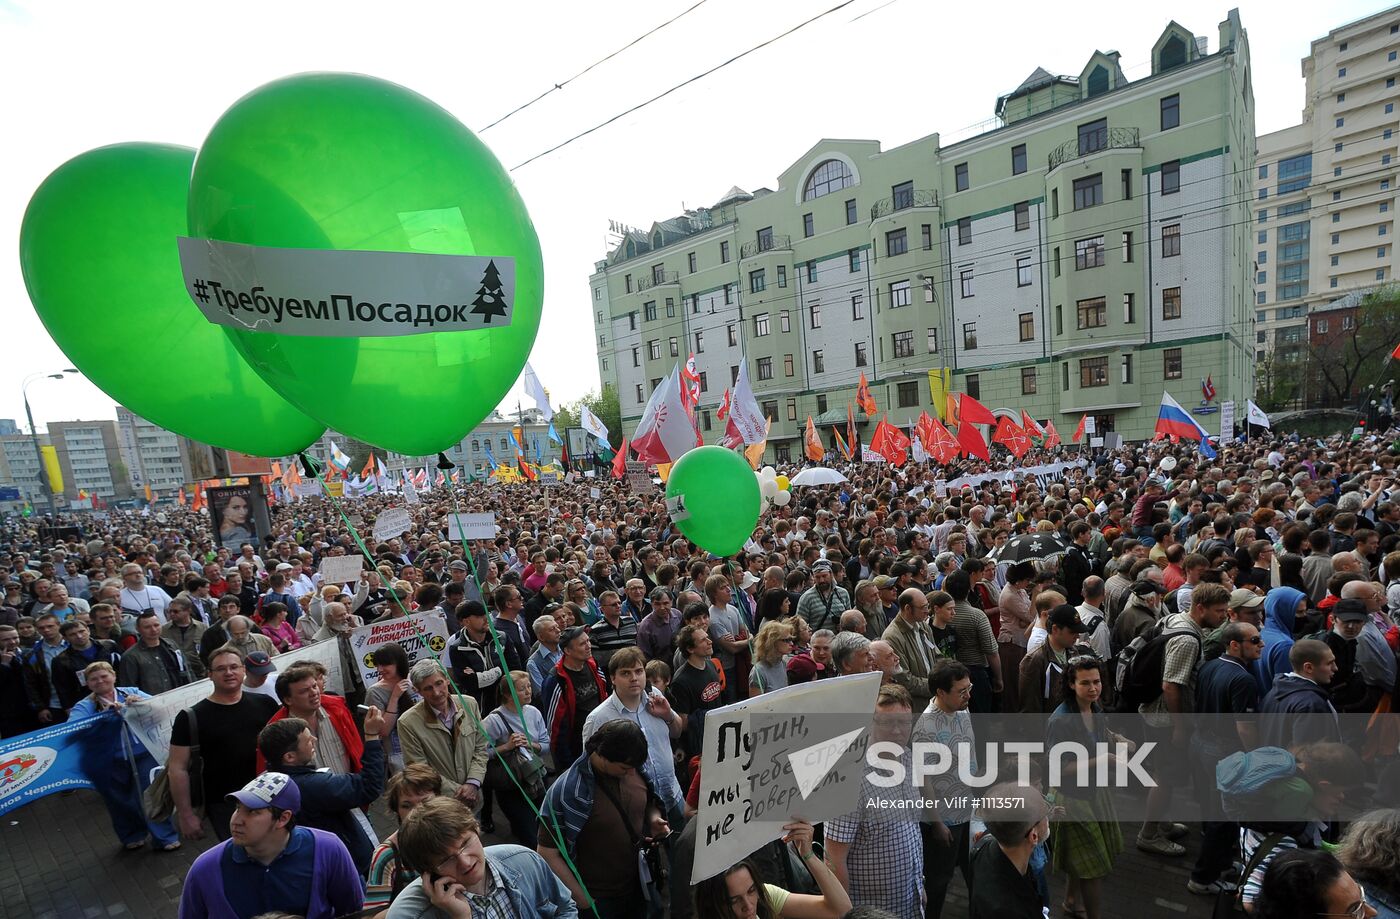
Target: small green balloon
346 161
719 499
97 249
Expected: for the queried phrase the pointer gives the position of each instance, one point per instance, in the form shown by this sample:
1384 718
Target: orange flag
864 398
951 416
754 452
853 443
812 444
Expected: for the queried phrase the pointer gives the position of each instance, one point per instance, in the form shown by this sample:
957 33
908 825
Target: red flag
941 445
970 409
851 440
924 429
811 443
1030 426
890 442
1396 352
723 407
1052 436
1079 431
620 461
1009 435
863 397
970 441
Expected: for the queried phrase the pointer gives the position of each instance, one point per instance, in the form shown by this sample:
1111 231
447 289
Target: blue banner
55 759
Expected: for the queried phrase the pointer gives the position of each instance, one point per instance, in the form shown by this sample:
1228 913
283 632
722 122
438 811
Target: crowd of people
589 639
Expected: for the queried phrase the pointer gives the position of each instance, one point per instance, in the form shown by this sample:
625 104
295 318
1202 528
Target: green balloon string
556 831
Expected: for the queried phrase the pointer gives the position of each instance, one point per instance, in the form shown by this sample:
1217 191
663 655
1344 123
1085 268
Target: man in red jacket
339 746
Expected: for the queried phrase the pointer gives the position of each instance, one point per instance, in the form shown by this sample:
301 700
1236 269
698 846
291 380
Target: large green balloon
720 493
344 161
97 248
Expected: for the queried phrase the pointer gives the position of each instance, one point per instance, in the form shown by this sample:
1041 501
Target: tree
1347 359
491 297
1278 380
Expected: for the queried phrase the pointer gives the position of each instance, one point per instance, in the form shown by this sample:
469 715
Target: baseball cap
802 667
271 789
458 565
1144 587
1244 598
283 566
884 581
1350 611
1065 617
259 664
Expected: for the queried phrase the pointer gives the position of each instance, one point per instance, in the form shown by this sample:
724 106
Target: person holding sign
740 892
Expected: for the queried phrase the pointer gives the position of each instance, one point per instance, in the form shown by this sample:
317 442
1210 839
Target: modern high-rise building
20 467
1324 189
91 460
1092 251
152 455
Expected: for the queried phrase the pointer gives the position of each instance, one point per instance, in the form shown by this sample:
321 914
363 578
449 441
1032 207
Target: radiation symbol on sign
437 643
369 660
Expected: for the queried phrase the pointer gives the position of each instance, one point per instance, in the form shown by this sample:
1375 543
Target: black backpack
1137 669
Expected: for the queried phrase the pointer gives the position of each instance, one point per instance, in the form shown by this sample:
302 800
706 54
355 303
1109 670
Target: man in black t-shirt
1017 820
696 686
226 729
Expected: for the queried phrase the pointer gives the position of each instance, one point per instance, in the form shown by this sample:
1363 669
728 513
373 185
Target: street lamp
34 432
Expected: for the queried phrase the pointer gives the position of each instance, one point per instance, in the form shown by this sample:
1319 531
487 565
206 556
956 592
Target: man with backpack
1142 612
1176 644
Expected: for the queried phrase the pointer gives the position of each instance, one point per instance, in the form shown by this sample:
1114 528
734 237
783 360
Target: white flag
667 429
592 424
743 408
1255 415
410 494
535 390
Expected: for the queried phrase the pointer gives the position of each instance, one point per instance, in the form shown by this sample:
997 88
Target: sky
80 75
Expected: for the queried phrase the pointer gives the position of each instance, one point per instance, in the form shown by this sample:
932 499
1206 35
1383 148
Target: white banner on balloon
344 293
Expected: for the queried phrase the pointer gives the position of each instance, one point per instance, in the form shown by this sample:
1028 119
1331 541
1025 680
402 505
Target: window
670 307
1294 173
829 176
765 368
705 418
1093 136
1023 271
1171 112
1341 72
636 356
785 322
932 340
733 374
1055 262
1023 215
1129 309
896 242
1018 159
1171 303
972 385
1054 203
1171 177
1088 191
857 306
787 365
808 225
814 315
969 336
1126 180
1171 240
1321 326
699 342
928 290
965 278
649 311
821 405
1262 217
640 399
1127 369
782 276
733 331
926 236
627 279
964 231
1027 326
899 294
723 252
632 321
906 394
760 325
812 272
960 177
853 259
1264 171
818 362
654 349
850 211
1092 314
903 344
1093 371
1059 319
728 295
1027 381
690 262
1088 253
695 303
757 281
861 360
1127 247
769 409
903 195
792 410
1171 364
1261 298
704 381
1336 260
675 347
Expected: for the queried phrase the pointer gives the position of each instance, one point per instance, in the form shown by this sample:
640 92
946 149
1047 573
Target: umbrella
818 475
1031 546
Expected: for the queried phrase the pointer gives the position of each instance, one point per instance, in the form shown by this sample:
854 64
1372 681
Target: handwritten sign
421 635
638 479
595 493
393 522
341 569
471 526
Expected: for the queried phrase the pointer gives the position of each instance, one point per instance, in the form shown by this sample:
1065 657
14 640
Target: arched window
829 176
1098 81
505 444
656 240
1173 54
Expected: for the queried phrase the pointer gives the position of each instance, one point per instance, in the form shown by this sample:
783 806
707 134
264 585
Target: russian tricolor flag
1175 421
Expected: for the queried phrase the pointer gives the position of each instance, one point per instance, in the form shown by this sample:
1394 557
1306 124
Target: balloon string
551 822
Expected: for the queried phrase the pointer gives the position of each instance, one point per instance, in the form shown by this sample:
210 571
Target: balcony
767 244
657 279
1113 138
919 197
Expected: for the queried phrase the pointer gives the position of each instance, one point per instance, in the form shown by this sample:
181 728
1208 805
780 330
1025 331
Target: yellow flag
663 472
51 466
938 382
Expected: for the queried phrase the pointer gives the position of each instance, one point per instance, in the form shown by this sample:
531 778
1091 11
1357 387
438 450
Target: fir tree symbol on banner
491 297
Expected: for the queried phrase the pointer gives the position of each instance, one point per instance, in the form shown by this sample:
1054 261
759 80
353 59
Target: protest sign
51 760
410 493
471 526
638 479
1227 421
341 569
393 522
779 756
595 493
940 488
421 635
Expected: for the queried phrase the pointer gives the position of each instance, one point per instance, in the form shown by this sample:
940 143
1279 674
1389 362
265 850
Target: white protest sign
940 488
421 635
393 522
1088 424
1227 421
348 293
471 526
772 758
638 479
410 493
571 478
595 493
341 569
152 719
